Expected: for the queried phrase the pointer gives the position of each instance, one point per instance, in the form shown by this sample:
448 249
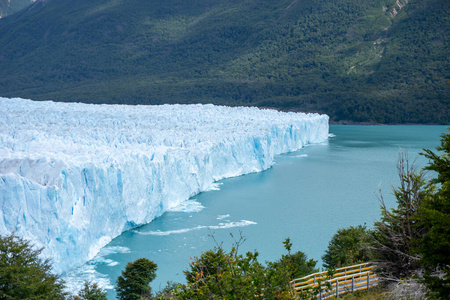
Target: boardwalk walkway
343 280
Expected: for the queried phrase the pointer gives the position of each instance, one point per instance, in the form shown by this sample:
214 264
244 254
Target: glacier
74 176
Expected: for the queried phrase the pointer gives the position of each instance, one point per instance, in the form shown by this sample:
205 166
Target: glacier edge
74 176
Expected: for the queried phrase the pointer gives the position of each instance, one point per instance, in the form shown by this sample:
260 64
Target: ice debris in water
74 176
227 225
187 206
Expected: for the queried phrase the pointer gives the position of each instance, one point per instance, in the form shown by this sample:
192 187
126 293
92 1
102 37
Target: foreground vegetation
383 61
410 246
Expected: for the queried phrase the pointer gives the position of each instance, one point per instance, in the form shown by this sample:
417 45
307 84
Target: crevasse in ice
73 176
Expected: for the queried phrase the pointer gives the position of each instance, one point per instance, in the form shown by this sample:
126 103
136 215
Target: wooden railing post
337 289
353 284
368 280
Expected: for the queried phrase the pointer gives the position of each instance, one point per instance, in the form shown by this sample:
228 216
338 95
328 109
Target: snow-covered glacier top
73 176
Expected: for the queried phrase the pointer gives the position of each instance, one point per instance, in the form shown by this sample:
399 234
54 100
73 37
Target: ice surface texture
73 176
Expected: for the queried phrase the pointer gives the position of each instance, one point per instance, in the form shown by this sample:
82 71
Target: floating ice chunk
215 186
112 250
188 206
221 217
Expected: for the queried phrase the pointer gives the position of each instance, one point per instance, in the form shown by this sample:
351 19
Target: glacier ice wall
73 176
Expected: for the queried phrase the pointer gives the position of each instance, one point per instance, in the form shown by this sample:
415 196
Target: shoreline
384 124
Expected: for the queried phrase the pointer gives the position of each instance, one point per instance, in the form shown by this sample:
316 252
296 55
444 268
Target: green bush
348 246
23 275
218 274
290 266
90 291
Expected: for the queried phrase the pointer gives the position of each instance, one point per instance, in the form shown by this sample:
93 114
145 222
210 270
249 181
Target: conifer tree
135 280
434 216
398 227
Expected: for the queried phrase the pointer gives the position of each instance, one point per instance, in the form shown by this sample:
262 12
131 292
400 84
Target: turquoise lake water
307 195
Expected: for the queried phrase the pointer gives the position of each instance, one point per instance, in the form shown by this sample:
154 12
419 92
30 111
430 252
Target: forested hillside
9 7
384 61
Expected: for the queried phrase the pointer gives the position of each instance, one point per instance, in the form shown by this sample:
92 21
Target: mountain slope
9 7
380 61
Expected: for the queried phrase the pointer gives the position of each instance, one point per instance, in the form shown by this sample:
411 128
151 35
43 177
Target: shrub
23 275
218 274
348 246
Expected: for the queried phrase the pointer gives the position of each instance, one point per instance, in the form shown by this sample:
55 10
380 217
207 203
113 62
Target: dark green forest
374 61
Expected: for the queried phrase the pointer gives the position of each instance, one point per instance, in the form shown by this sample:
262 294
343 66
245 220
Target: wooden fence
323 286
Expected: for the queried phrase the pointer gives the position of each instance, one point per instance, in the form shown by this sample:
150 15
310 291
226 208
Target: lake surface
307 195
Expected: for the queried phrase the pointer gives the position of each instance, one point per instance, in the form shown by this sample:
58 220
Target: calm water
307 196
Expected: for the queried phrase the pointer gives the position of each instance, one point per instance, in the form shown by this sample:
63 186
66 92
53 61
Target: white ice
74 176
